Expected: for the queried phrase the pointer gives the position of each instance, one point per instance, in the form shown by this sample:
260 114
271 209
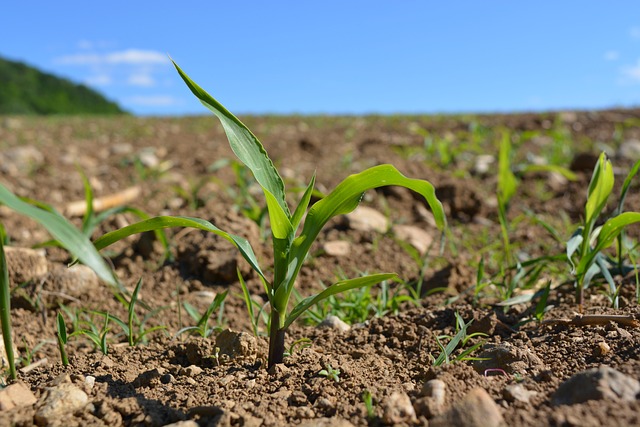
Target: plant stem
276 339
5 312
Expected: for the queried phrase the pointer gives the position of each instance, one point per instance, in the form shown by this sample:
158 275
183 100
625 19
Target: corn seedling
290 248
459 339
367 399
202 326
61 334
585 248
97 336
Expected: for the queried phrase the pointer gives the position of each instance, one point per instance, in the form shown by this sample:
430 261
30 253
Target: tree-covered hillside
25 90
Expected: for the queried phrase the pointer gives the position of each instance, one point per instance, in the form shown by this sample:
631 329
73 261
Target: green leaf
160 222
243 142
613 227
5 308
341 286
344 199
625 187
507 182
301 209
567 173
599 190
62 328
64 232
281 227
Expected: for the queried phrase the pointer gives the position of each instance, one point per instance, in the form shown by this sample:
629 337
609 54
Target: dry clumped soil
527 375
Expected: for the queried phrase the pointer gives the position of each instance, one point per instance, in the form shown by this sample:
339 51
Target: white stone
334 322
415 236
337 248
59 401
367 219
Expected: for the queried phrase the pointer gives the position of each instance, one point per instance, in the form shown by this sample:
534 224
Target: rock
75 281
59 401
16 395
192 370
185 423
148 378
21 160
476 409
434 394
120 149
513 360
483 164
603 383
517 392
367 219
337 248
397 409
237 344
326 422
25 265
147 156
334 322
415 236
630 150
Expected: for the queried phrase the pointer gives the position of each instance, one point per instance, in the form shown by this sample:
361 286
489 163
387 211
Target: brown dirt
157 383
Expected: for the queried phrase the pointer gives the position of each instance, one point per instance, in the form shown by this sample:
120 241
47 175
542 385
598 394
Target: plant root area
525 370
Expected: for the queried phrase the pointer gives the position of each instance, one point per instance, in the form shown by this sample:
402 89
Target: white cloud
129 56
611 55
632 73
98 80
141 79
153 101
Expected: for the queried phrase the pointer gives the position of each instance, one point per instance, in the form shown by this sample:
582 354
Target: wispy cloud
141 79
611 55
129 56
98 80
631 73
153 101
634 32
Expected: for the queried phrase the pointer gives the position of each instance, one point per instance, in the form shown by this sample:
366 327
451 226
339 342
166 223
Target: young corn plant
65 234
585 249
290 245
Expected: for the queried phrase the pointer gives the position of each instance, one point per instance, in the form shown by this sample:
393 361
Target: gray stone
630 149
59 401
75 281
25 265
367 219
326 422
512 360
517 392
334 322
476 409
21 160
415 236
397 409
603 383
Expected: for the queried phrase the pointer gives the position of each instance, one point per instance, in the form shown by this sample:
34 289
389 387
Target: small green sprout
367 399
202 327
290 247
460 339
330 372
62 339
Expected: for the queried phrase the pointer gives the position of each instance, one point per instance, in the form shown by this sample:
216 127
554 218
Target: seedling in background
585 249
290 248
367 399
202 327
459 339
61 334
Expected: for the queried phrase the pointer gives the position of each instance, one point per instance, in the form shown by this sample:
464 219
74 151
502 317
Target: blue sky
337 57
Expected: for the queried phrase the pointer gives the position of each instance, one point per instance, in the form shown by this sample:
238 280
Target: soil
222 379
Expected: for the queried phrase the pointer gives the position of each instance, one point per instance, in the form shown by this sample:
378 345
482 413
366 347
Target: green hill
26 90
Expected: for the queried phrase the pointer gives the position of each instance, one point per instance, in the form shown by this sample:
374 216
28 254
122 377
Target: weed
290 248
61 334
330 372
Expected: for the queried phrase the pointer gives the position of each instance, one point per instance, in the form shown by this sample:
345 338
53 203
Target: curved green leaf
599 190
159 222
301 209
243 143
336 288
344 199
64 232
